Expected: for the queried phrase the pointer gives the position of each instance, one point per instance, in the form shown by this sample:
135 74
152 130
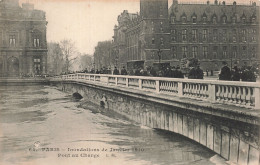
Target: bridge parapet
243 94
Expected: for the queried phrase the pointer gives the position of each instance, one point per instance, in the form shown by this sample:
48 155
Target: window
244 51
224 19
234 54
204 19
161 11
173 38
153 41
36 42
214 19
254 52
184 35
215 52
184 52
12 41
37 65
224 35
194 34
243 20
194 51
253 20
224 52
174 52
234 19
161 41
184 18
205 34
194 19
215 34
205 51
173 19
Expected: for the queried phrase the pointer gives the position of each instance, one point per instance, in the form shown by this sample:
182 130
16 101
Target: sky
86 22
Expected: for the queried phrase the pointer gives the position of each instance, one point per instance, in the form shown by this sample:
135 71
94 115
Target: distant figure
225 73
153 72
199 73
235 75
178 72
137 72
97 71
116 71
192 73
123 71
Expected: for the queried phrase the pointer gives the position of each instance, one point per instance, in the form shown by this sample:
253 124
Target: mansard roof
210 9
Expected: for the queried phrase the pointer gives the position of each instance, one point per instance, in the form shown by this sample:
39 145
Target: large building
212 32
23 46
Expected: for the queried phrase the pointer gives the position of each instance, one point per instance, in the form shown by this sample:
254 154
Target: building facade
211 32
23 46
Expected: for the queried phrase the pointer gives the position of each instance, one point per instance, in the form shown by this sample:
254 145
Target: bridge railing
243 94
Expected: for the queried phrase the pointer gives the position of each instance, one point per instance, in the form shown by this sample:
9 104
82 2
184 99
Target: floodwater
41 125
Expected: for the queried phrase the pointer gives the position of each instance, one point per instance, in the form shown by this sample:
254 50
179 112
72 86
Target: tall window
215 52
173 19
37 65
224 52
224 35
184 35
205 52
243 35
173 35
224 19
12 41
215 35
194 35
36 41
174 52
254 52
153 41
214 20
205 35
244 51
161 41
184 52
234 52
194 51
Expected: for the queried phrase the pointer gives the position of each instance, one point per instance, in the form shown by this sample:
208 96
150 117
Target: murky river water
40 125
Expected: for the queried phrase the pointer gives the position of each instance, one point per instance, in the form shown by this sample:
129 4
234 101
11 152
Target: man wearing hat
225 73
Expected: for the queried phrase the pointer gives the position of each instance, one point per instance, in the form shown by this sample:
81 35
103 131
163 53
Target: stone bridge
220 115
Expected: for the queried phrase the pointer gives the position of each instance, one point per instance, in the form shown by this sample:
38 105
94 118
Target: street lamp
159 54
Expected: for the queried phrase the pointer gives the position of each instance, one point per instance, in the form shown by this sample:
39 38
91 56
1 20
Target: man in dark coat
116 71
225 73
235 75
192 73
199 73
123 71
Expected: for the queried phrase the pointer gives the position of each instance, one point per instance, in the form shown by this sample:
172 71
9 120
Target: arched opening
77 96
13 66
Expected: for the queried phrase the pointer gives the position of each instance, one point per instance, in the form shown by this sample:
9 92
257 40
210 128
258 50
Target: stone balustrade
243 94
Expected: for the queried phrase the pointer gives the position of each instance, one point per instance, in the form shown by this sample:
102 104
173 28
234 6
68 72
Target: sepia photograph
129 82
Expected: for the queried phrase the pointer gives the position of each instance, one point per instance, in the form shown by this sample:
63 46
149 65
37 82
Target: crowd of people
245 73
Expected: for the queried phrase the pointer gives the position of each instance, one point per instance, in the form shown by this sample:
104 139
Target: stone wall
234 140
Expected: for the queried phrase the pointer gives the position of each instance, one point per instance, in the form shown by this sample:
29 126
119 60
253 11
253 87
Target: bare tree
69 51
55 58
